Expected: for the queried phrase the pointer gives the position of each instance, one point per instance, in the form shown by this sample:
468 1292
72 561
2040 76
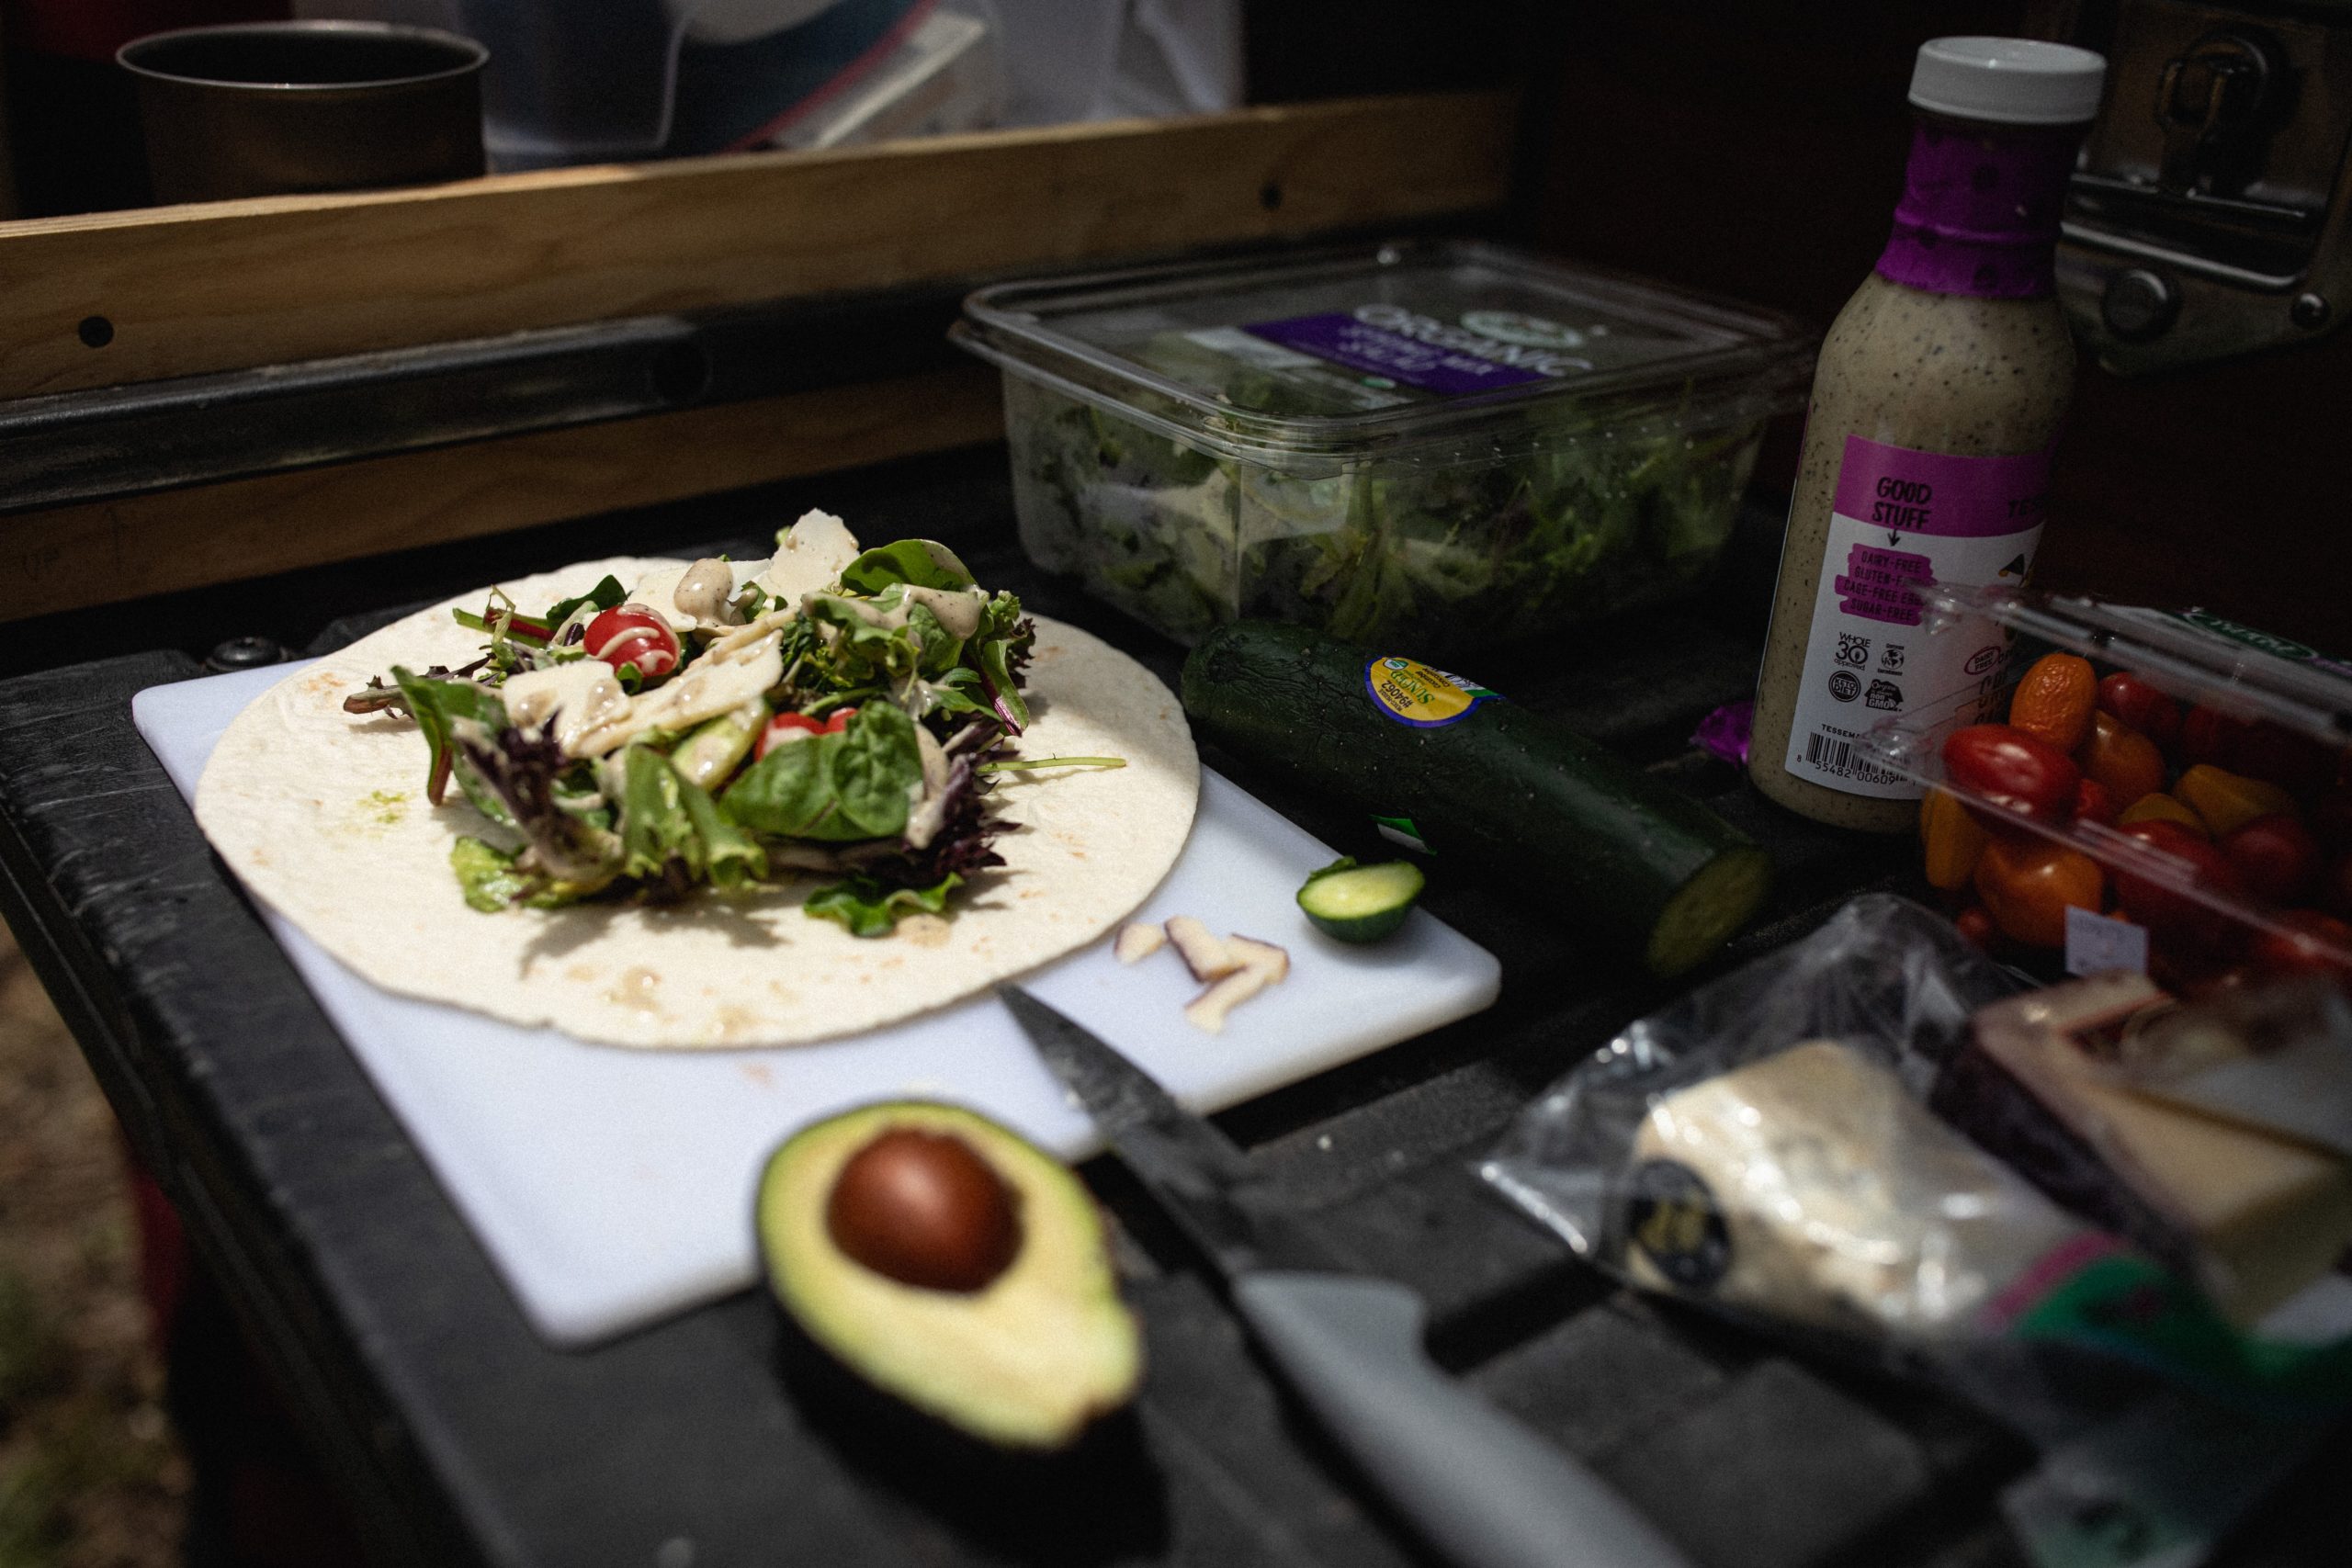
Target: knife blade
1484 1489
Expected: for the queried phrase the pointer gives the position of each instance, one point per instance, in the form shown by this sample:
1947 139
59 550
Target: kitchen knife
1484 1489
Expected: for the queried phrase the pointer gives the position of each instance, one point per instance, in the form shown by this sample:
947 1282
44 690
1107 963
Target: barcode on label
1832 755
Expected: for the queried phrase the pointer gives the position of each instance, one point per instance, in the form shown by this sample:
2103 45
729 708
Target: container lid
2008 81
1339 350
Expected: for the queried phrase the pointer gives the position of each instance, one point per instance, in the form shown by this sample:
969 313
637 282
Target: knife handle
1483 1489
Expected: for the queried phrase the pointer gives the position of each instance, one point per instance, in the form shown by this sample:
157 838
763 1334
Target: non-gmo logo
1530 332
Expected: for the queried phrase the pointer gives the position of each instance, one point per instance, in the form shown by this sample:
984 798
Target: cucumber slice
1360 903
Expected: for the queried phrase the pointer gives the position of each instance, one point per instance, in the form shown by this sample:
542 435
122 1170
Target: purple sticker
1723 733
1451 361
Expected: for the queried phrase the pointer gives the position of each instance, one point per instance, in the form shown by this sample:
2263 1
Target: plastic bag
1762 1147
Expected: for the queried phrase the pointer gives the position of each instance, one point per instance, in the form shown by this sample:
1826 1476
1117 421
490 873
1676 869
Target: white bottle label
1901 523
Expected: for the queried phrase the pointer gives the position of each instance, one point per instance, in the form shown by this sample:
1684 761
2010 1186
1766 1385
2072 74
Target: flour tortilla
323 816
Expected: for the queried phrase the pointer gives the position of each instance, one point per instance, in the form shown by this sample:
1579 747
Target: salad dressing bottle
1936 404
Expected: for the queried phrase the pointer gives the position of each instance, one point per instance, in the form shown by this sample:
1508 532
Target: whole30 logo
1537 359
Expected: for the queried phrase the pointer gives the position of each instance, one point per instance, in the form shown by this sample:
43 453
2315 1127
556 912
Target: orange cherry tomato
2121 758
1951 840
2053 702
2029 883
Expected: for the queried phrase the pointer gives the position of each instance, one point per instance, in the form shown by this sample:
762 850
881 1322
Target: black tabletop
459 1437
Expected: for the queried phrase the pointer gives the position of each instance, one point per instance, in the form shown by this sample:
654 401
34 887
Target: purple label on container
1421 350
1980 207
1906 491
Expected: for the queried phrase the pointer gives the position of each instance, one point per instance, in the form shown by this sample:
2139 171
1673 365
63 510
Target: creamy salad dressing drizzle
1936 404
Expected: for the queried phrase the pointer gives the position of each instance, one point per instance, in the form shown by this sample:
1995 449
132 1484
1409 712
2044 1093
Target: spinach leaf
868 909
926 563
788 794
604 595
878 769
858 784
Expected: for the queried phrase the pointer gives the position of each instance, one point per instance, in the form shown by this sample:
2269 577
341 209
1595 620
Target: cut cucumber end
1362 903
1708 909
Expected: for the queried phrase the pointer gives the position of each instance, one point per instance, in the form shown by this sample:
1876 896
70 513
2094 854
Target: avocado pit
923 1209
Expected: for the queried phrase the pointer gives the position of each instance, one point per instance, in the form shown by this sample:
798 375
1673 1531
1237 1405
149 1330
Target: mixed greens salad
833 712
1562 517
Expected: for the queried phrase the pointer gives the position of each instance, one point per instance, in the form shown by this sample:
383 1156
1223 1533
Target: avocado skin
1573 827
949 1372
1101 1498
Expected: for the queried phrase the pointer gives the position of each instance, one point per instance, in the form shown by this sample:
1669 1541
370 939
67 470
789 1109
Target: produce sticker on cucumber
1412 692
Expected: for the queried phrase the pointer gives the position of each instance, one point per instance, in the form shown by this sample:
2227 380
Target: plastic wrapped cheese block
1809 1186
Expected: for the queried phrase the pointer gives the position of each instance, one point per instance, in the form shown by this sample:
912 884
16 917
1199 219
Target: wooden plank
75 557
234 285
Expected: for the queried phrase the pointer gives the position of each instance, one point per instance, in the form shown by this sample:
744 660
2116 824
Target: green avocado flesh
1026 1362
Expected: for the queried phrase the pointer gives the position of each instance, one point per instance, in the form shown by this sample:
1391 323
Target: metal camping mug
271 109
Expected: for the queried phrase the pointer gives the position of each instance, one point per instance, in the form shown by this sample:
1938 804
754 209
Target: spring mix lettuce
833 712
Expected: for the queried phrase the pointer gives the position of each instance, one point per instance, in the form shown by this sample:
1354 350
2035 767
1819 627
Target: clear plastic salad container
2207 836
1436 445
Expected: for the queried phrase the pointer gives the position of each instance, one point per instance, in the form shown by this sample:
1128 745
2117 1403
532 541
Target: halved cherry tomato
631 634
1950 840
2141 706
2028 883
2277 855
2122 759
785 726
791 725
2008 771
2053 700
2228 801
2156 898
2093 803
2312 943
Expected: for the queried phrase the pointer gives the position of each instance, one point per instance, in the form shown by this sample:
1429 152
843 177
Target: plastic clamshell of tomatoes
2001 770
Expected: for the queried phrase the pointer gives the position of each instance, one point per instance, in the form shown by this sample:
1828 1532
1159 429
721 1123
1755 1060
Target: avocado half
1029 1359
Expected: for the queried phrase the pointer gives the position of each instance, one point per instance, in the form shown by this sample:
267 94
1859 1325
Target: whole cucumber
1628 860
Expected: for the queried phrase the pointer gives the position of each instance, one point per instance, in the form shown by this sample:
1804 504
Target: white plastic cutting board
612 1187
